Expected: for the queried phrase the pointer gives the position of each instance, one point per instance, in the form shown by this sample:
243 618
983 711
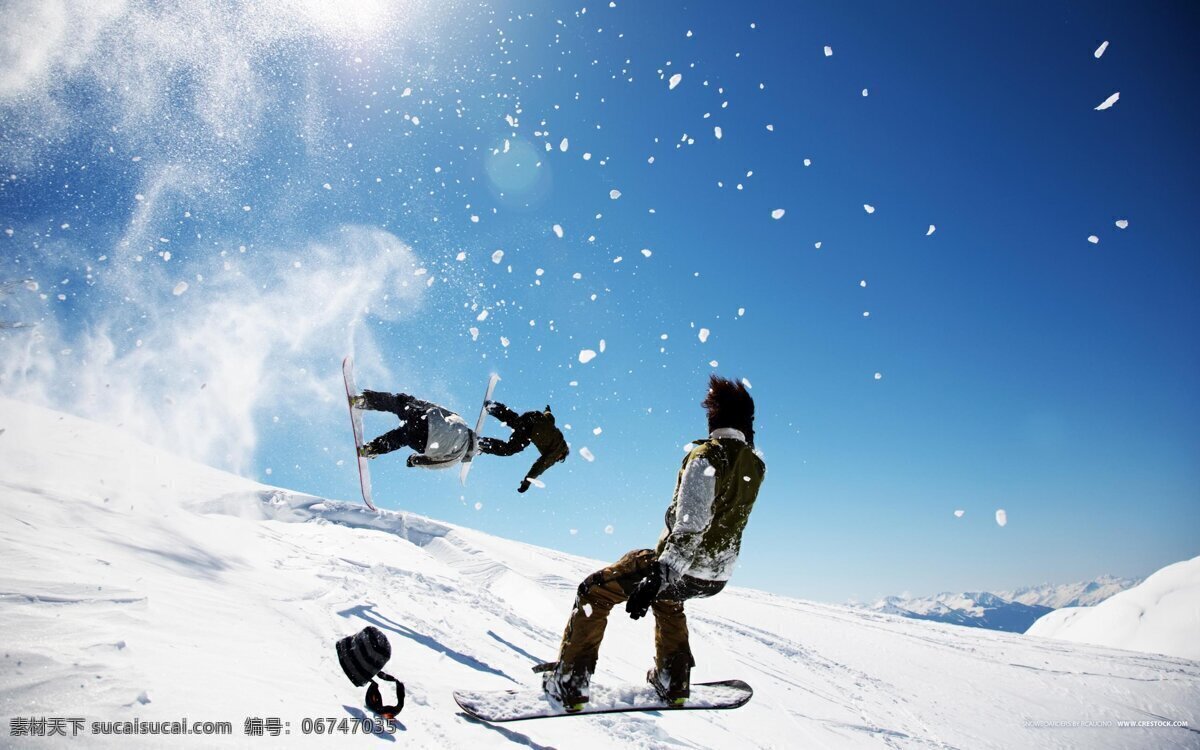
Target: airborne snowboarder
441 438
714 494
533 426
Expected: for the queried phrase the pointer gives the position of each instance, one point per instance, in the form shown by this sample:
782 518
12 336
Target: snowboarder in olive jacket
714 494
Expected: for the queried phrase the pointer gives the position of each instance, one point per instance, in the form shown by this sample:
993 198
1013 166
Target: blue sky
313 178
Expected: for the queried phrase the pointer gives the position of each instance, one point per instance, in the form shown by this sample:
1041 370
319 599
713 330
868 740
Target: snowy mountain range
1010 611
138 585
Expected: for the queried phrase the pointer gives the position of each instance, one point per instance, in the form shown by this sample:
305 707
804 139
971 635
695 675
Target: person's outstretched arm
514 445
503 413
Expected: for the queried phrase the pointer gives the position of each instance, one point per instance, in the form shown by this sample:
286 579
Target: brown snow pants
612 586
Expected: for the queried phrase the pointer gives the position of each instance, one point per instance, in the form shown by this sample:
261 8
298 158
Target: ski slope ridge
136 584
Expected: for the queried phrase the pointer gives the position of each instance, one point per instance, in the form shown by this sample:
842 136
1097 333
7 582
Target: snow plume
192 372
179 76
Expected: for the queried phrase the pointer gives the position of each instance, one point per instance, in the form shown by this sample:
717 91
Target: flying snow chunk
864 92
808 162
717 132
180 288
1109 101
482 316
647 253
603 344
504 342
959 513
586 355
1001 518
1122 223
614 194
879 376
497 256
703 335
597 430
407 92
777 213
562 146
461 256
1100 50
1093 239
474 333
828 51
932 229
741 311
675 79
608 529
586 454
746 382
478 506
713 363
558 231
868 208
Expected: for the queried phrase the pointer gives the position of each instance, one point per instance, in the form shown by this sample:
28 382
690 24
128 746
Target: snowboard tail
532 703
356 423
487 396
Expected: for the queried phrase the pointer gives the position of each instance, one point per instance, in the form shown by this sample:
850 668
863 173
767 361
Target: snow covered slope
1161 615
136 584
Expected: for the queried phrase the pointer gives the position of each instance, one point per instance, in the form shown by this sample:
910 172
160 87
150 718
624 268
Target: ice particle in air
1001 517
614 194
675 79
1100 50
777 213
1122 223
586 355
1107 103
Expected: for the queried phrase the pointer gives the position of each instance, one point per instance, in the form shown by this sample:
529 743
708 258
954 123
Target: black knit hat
364 654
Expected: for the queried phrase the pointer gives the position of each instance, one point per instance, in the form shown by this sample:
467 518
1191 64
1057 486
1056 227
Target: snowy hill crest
167 588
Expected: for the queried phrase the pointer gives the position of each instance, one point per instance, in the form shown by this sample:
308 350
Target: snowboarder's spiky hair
729 404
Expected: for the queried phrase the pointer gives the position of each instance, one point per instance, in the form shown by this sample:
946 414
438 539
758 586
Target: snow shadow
367 612
516 648
508 734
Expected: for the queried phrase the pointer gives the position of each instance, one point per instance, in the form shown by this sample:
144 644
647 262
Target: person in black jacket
535 427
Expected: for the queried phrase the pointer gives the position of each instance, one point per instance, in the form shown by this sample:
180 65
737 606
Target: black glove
524 485
644 593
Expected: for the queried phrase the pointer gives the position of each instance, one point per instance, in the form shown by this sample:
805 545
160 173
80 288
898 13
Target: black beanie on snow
364 654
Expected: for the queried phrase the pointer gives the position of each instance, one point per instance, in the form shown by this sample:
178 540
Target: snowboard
532 703
466 462
356 423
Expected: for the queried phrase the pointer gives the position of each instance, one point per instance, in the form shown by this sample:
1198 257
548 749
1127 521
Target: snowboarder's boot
567 687
672 680
358 402
366 451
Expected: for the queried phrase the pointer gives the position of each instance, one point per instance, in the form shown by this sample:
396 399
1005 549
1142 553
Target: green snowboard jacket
714 494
